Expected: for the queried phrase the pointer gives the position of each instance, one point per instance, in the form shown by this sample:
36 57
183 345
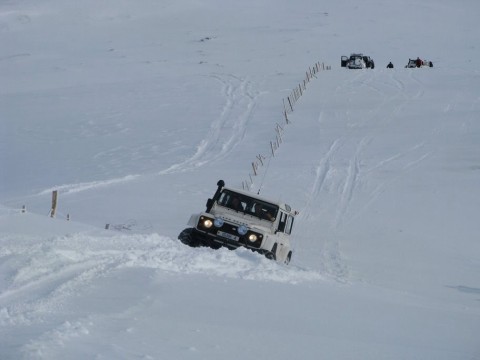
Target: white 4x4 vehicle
236 218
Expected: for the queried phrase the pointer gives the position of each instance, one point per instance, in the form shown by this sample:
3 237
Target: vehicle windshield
248 205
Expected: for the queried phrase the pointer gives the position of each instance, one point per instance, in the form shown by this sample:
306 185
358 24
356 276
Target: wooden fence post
273 151
259 157
291 107
54 203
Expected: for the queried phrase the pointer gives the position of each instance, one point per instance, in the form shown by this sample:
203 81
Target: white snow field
133 110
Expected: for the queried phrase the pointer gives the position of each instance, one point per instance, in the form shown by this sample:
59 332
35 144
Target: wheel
186 237
289 257
272 254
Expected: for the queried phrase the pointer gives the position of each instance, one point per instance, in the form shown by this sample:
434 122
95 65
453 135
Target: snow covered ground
133 110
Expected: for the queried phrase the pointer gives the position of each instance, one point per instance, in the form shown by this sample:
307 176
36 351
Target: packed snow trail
341 164
229 129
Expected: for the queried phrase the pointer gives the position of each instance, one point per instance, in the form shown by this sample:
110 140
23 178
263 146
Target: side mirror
209 204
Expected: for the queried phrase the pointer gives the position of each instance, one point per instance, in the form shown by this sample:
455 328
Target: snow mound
60 257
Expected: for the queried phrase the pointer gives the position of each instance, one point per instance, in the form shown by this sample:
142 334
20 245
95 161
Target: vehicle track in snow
41 275
349 176
392 94
321 172
228 129
324 184
350 183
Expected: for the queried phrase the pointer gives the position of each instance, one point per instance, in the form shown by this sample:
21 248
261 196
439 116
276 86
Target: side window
286 223
223 199
283 222
289 225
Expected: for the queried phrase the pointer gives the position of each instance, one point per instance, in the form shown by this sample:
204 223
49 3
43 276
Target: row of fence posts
53 213
288 106
260 160
53 209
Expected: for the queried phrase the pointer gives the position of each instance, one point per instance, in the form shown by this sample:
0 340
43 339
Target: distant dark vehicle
357 61
417 63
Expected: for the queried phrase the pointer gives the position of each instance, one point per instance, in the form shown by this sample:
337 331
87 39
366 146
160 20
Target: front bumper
225 239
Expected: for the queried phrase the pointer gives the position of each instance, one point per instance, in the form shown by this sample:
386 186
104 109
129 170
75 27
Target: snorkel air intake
210 202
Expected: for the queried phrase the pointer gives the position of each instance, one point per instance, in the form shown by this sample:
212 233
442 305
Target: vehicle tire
271 255
186 237
289 257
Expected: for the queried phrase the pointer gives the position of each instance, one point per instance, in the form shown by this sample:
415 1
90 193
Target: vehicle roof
282 205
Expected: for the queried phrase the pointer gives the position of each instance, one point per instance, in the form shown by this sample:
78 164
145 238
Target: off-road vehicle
417 63
357 61
237 218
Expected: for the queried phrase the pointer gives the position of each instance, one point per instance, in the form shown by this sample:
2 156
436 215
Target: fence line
261 160
288 107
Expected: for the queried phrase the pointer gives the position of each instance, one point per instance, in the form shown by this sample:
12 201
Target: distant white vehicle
237 218
357 61
412 63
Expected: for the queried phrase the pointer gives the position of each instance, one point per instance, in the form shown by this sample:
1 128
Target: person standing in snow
390 65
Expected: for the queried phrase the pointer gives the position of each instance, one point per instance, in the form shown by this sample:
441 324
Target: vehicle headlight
254 237
242 230
218 222
207 223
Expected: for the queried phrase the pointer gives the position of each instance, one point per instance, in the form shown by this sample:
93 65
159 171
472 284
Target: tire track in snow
333 260
42 275
421 86
395 157
350 183
392 94
228 130
346 185
48 277
409 165
321 172
78 187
